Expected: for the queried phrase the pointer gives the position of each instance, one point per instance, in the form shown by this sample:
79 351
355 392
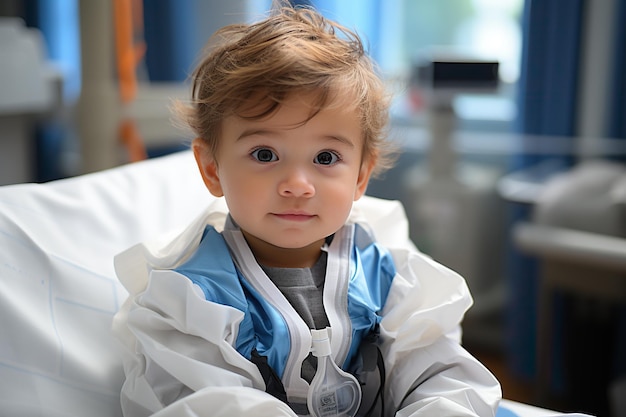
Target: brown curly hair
255 66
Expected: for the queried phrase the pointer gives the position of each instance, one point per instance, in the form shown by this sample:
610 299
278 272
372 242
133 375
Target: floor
482 337
523 391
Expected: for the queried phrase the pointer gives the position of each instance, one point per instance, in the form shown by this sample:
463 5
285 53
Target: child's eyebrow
251 132
341 139
255 131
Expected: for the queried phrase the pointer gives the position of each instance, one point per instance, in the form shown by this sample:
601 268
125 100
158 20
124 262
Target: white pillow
58 290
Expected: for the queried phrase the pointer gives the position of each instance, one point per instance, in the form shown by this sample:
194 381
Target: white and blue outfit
202 315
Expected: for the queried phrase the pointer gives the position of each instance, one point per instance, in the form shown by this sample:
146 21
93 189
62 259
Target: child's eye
264 155
326 158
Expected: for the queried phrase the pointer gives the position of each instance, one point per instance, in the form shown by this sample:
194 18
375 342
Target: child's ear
364 177
207 166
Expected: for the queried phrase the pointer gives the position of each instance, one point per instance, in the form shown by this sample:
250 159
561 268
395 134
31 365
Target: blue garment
264 328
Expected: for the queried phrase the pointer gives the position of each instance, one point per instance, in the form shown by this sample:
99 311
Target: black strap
380 395
371 358
273 384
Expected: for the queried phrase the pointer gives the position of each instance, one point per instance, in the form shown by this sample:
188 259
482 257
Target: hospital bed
58 290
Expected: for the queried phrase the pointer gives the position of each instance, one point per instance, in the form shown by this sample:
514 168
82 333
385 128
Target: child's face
288 185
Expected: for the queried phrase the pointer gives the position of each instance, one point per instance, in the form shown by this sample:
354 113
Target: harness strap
372 359
273 384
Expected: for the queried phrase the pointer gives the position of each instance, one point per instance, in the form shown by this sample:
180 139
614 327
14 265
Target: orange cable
129 53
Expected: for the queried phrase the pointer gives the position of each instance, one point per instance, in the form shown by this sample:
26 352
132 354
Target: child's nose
296 183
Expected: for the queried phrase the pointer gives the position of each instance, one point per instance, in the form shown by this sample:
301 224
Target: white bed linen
58 290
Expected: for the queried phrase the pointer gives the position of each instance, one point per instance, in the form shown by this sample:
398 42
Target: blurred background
509 115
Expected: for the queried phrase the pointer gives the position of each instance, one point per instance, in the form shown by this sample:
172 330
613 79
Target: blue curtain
550 69
58 22
546 106
169 35
617 130
617 121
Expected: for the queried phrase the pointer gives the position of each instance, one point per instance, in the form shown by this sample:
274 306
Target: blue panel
170 39
617 122
547 106
550 58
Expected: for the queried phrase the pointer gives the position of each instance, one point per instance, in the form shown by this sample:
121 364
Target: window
398 32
